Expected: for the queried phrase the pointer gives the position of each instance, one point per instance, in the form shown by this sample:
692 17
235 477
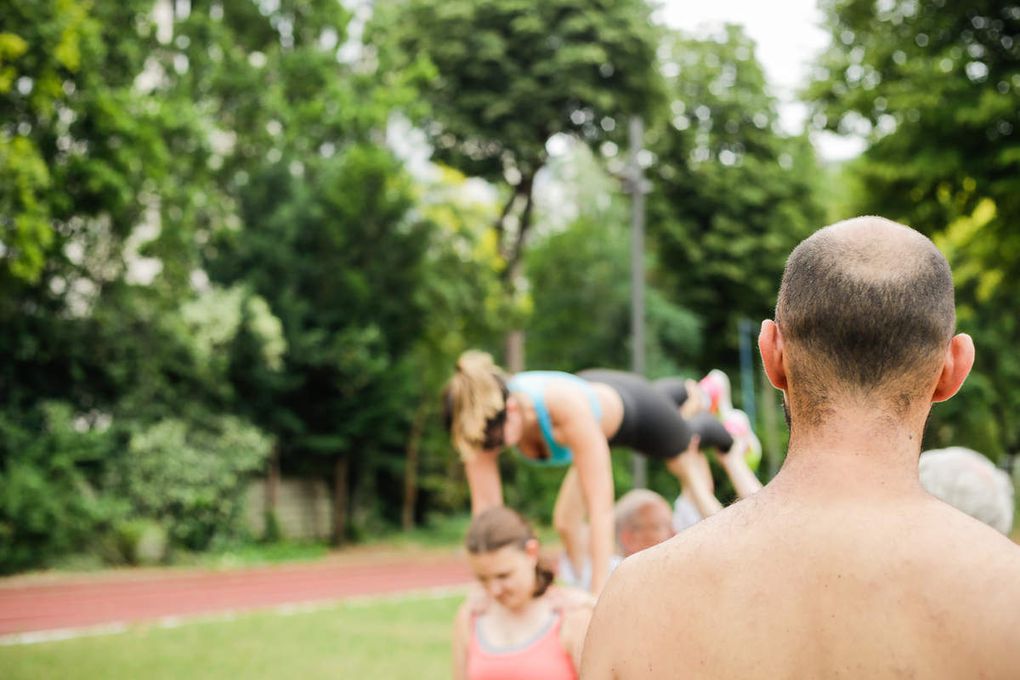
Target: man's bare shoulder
655 594
687 567
691 551
972 550
568 598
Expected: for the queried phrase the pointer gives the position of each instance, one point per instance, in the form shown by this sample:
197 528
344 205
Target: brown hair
474 404
499 527
865 304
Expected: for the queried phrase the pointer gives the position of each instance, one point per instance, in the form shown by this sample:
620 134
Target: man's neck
856 451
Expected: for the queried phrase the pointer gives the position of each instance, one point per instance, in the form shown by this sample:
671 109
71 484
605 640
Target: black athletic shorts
674 388
651 423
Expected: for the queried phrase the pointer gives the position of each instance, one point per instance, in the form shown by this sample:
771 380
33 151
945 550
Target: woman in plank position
556 418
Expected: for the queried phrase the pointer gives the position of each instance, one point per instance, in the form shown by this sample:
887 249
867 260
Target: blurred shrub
188 478
47 505
141 541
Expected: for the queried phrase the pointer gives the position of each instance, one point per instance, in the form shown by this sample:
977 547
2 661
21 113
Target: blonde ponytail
474 396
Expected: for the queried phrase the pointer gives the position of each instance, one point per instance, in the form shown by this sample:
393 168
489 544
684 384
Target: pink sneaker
717 386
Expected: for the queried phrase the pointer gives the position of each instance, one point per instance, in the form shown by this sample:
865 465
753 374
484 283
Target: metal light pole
637 189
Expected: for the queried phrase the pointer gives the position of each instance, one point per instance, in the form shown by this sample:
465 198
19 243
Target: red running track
30 604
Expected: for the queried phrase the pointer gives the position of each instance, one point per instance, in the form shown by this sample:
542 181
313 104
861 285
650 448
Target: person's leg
675 388
569 522
739 426
692 470
652 424
713 433
687 394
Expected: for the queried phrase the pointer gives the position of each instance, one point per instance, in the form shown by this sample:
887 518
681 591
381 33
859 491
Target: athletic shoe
717 386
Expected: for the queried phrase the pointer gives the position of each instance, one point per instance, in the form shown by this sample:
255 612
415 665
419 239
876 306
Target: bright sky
788 34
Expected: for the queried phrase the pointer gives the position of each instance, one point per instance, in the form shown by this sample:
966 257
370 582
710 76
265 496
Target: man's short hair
971 483
863 303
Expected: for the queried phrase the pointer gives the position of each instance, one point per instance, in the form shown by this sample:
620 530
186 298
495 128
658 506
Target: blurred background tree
580 274
501 78
98 342
934 87
732 194
246 238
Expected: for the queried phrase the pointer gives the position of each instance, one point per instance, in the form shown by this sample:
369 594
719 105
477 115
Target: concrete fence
303 508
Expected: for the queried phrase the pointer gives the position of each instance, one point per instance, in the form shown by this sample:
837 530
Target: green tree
78 150
98 310
934 87
334 251
288 193
48 505
579 276
731 194
462 293
502 77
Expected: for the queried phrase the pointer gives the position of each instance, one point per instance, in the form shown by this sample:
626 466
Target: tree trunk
273 479
515 351
271 532
411 465
340 500
514 359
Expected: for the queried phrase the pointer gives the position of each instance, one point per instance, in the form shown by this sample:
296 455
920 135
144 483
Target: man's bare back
771 588
842 566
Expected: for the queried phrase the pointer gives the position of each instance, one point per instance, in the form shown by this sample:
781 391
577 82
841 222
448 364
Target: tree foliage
502 77
731 193
319 227
189 477
47 505
211 254
510 74
580 284
934 87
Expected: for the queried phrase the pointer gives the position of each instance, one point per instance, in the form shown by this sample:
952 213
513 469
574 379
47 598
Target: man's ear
770 344
956 365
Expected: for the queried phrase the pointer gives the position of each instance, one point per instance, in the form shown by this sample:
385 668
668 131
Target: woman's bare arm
581 433
482 472
568 520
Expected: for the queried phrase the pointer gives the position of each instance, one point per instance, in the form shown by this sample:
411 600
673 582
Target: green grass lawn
392 639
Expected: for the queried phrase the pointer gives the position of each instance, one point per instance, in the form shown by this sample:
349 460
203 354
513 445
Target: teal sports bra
532 383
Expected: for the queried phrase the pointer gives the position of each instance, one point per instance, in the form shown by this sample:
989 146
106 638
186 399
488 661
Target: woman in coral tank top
525 631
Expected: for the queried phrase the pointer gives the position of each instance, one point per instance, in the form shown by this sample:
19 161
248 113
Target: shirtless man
842 566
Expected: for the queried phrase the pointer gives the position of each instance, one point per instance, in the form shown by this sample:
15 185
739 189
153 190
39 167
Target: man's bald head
865 307
643 518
